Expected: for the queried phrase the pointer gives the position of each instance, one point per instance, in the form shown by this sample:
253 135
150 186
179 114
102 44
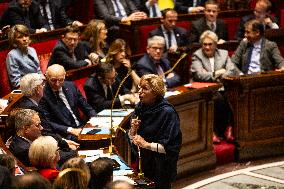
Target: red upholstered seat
184 24
282 18
44 50
225 152
3 7
80 85
232 24
5 87
143 33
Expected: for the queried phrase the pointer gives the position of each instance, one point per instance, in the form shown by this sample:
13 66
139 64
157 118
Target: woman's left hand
141 142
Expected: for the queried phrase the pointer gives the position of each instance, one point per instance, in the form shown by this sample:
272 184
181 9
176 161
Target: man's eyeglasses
55 80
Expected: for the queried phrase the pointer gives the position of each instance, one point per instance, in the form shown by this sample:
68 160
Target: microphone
183 55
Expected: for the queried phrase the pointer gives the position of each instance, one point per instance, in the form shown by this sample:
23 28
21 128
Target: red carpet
225 152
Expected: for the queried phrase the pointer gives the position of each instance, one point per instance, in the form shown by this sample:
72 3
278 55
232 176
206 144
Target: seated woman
94 39
22 59
118 55
156 130
210 64
44 155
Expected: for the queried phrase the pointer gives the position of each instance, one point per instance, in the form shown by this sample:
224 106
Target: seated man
261 13
25 12
153 62
151 7
209 22
61 103
28 128
32 86
114 12
69 52
175 36
101 87
256 53
54 14
189 6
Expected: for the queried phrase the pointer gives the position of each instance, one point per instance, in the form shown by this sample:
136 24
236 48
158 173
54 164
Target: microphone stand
175 65
111 110
140 174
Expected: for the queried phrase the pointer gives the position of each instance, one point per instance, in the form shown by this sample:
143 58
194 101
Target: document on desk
98 131
90 155
116 112
105 121
171 93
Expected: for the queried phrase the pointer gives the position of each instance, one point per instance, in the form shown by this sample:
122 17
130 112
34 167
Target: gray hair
42 152
208 34
156 39
23 118
30 82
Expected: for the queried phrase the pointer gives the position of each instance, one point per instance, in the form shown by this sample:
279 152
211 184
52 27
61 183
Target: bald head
55 75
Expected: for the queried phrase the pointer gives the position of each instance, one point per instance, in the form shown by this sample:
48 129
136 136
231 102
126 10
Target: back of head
30 82
43 152
103 69
71 178
8 161
119 184
31 181
101 173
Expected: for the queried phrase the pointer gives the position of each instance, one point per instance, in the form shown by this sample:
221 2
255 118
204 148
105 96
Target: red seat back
3 7
5 87
80 85
232 24
143 33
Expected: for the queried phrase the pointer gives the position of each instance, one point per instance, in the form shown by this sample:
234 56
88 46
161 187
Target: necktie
118 10
109 93
159 69
153 7
212 27
169 39
43 4
250 48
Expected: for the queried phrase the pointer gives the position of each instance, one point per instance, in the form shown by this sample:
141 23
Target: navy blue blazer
33 19
20 149
96 96
146 65
61 55
59 120
180 34
181 6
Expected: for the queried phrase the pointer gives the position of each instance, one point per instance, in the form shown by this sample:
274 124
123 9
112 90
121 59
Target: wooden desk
195 109
257 102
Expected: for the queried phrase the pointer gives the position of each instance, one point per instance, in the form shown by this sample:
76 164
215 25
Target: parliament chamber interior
256 100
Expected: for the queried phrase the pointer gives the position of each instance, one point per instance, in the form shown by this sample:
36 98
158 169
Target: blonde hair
208 34
43 152
15 31
91 34
117 46
156 84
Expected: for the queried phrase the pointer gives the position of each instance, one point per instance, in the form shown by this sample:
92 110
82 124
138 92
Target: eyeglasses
55 80
38 125
69 39
157 48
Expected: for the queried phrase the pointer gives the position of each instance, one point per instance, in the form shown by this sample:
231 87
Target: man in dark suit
25 12
32 86
261 13
69 51
189 6
61 103
153 62
101 88
54 14
28 128
209 22
255 53
174 36
114 12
